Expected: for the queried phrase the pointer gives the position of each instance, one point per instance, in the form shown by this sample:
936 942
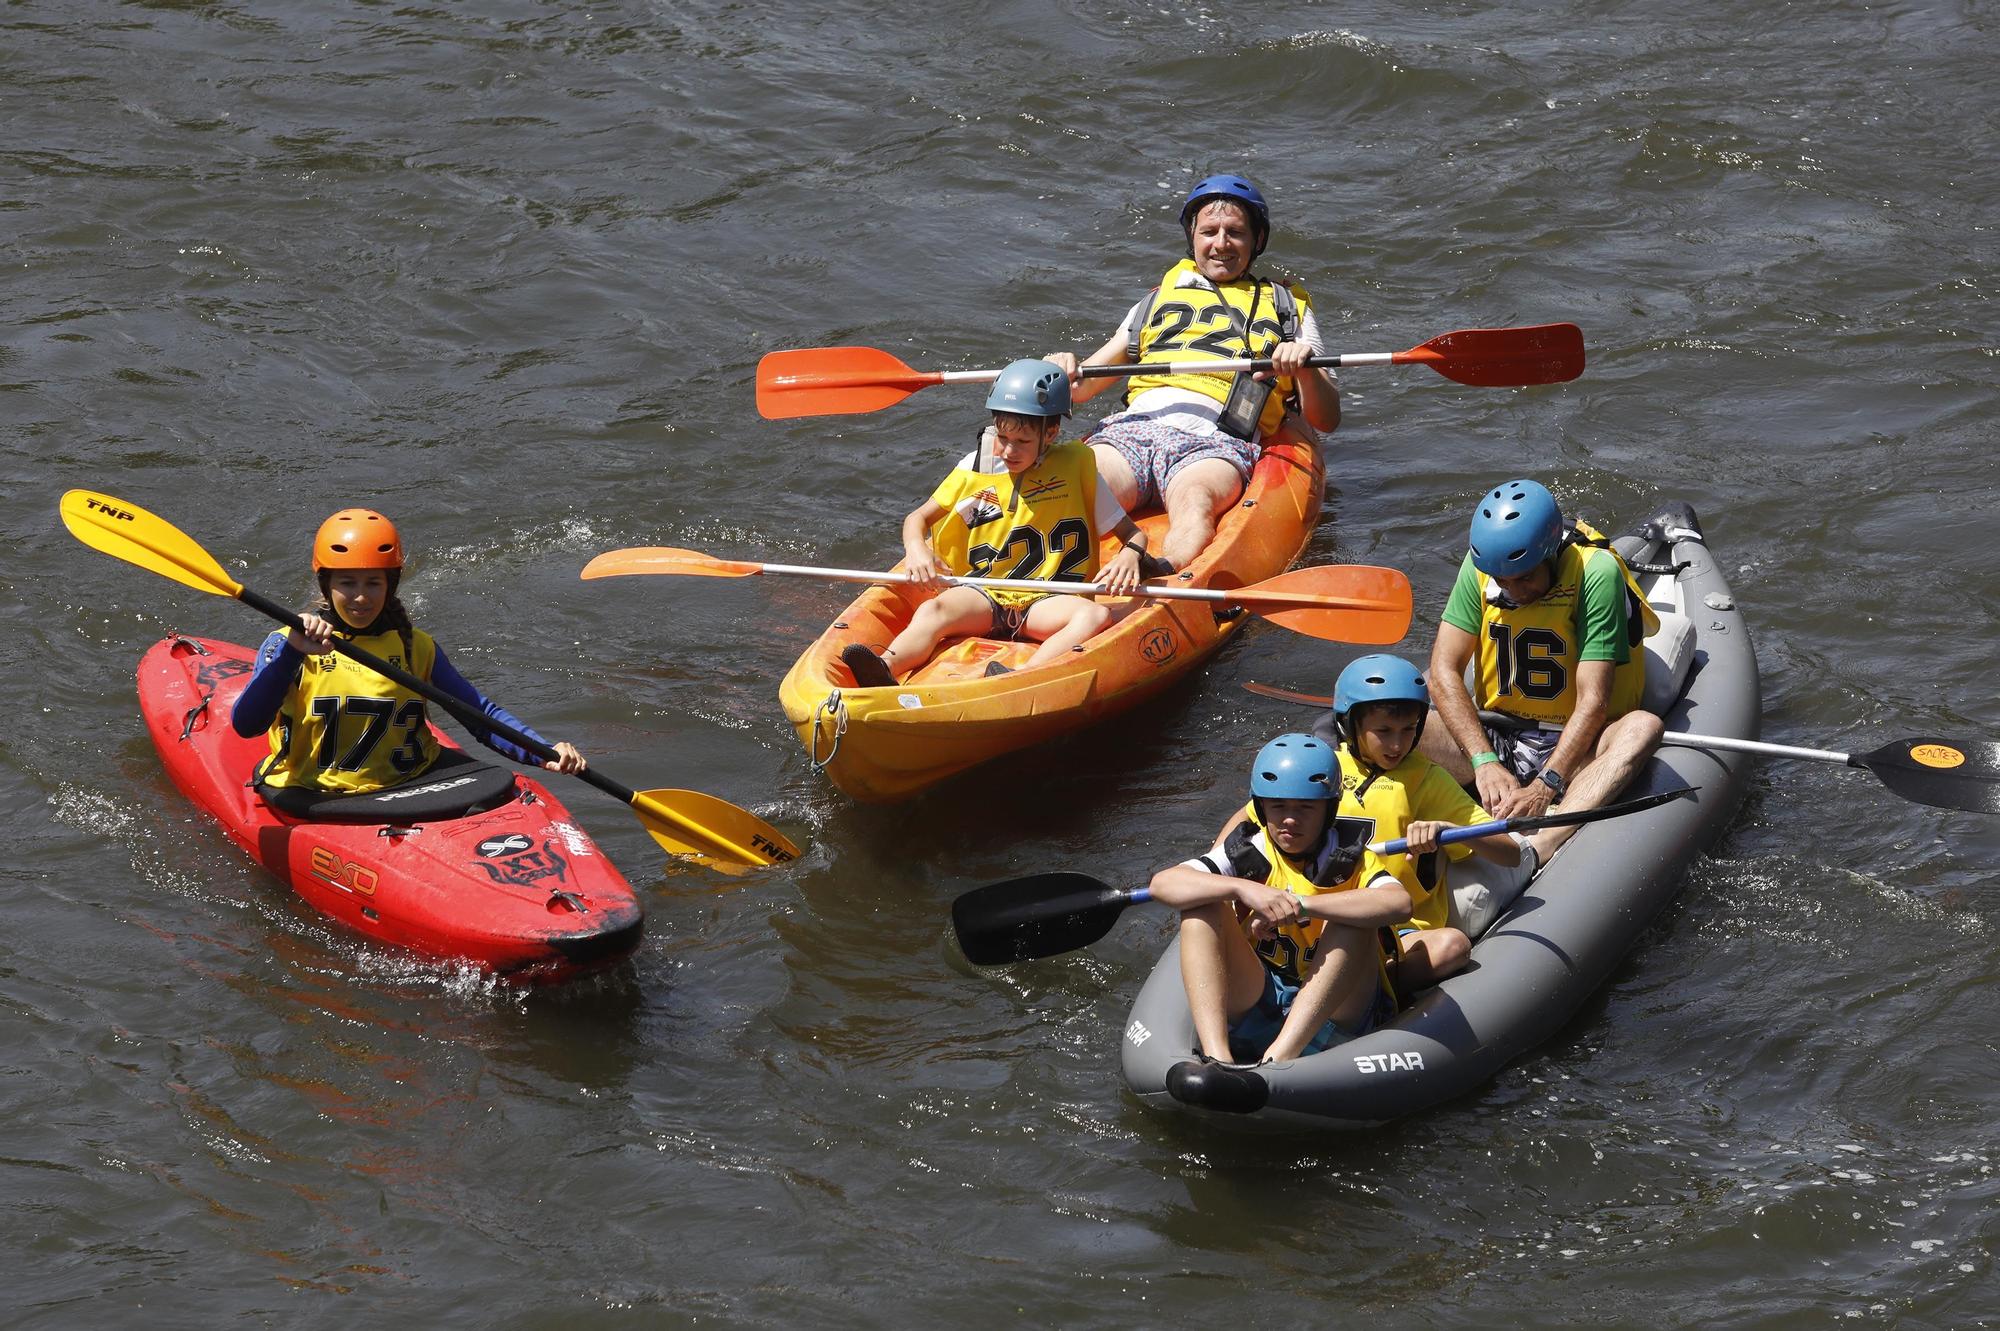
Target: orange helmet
357 538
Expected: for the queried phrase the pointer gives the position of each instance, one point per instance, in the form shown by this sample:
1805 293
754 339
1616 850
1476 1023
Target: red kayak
470 862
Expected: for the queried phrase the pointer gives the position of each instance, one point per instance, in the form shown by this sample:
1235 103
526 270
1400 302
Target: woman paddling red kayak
336 727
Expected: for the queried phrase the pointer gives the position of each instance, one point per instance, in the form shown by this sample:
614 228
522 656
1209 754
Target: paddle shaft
1060 912
1687 741
1452 835
474 720
1677 737
1145 591
925 378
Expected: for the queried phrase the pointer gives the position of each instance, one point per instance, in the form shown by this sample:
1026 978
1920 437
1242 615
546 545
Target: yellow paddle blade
714 831
126 531
666 559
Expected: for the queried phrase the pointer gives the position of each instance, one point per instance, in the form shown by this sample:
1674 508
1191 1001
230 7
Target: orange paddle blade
834 381
666 559
1502 357
1358 603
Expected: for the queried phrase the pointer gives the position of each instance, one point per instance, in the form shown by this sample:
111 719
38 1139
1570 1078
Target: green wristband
1480 760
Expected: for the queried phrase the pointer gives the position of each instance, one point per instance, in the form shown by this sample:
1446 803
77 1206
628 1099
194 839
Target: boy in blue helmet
1555 622
1189 442
1282 943
1380 705
1020 505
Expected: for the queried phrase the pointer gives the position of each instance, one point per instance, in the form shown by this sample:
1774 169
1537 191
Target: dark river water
504 270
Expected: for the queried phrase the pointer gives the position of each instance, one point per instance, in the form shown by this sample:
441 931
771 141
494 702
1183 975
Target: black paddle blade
1038 916
1941 772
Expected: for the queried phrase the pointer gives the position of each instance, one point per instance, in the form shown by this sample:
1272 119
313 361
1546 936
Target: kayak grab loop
193 645
194 712
568 901
395 830
830 706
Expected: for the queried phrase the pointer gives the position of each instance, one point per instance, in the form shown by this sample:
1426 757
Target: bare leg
1342 985
1197 497
1114 471
1428 956
1221 972
1061 622
1625 743
956 610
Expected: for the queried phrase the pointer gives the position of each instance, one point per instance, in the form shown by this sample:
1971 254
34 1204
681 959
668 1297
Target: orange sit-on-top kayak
881 744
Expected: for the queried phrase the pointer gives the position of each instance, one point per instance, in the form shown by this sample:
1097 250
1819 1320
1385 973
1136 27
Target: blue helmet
1377 678
1030 388
1230 187
1514 528
1295 767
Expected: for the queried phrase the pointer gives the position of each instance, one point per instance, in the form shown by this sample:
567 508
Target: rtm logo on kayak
1389 1062
329 867
117 514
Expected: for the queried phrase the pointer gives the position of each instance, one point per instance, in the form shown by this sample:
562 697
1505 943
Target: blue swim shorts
1251 1034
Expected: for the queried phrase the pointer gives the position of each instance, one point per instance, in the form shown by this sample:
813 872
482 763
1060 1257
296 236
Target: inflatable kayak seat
1669 653
454 786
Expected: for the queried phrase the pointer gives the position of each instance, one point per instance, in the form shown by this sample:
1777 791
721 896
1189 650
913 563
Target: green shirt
1600 615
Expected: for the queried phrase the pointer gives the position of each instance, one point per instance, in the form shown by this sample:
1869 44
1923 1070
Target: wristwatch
1555 781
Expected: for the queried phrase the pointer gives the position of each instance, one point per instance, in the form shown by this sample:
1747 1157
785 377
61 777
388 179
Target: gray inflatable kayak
1555 944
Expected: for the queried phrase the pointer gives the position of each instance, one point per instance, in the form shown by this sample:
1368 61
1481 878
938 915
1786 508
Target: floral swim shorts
1156 452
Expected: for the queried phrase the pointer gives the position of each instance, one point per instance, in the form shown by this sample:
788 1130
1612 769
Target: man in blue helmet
1020 505
1188 442
1555 622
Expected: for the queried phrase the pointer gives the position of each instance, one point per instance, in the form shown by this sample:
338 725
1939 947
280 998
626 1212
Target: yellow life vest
1293 950
1528 654
345 728
1414 790
1236 321
1035 525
